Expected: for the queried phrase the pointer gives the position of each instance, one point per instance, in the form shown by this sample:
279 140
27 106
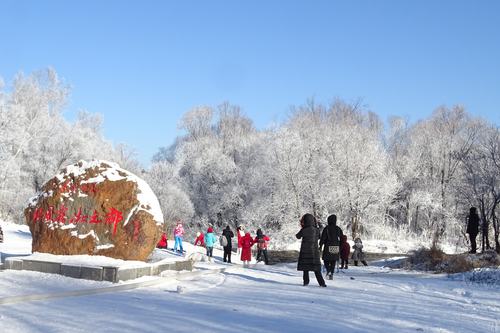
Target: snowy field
258 299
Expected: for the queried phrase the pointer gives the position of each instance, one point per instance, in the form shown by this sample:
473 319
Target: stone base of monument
97 272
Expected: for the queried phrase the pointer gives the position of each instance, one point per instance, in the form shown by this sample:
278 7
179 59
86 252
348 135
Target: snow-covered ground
394 246
258 299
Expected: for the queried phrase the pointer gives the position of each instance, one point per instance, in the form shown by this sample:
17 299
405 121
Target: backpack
223 240
261 243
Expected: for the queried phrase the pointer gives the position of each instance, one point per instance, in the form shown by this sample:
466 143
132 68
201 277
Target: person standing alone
309 259
473 228
178 233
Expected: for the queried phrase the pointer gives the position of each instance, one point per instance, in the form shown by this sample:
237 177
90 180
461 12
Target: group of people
208 240
333 244
244 244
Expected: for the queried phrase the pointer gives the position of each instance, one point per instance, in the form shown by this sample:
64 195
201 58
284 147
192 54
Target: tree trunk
415 224
355 226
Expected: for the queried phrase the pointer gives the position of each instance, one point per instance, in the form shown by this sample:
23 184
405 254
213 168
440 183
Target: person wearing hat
200 239
228 246
246 249
331 238
210 240
309 259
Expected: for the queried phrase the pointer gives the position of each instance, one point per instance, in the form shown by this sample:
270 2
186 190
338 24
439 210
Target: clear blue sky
142 64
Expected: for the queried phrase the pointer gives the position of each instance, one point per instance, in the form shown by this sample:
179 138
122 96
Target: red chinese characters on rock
68 187
113 217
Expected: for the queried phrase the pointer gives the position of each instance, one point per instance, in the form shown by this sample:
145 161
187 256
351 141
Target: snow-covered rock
95 208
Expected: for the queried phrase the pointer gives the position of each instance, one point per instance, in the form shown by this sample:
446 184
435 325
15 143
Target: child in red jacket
162 243
200 239
345 249
246 249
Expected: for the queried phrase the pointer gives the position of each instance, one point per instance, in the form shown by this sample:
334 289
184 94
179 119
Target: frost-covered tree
480 182
36 140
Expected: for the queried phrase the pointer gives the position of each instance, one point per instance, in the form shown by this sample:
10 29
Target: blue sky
142 64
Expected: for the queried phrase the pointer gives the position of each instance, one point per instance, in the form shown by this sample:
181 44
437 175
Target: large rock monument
95 208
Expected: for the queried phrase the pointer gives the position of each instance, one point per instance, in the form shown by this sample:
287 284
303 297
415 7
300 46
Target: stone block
124 274
155 269
186 265
70 271
91 273
143 271
13 263
32 265
109 273
50 267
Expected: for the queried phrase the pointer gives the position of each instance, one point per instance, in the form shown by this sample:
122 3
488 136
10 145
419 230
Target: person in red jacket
345 249
240 232
246 249
262 242
162 243
200 239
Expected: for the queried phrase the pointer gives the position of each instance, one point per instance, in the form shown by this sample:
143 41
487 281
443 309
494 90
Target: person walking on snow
178 233
200 239
228 247
309 259
330 241
240 232
345 250
262 243
210 240
358 254
473 228
246 249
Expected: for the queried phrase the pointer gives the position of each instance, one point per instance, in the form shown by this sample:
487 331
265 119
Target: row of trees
413 180
408 180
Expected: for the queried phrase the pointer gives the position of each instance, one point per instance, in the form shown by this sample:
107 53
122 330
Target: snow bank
486 276
16 239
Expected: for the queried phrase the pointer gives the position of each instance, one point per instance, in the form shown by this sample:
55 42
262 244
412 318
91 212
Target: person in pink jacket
178 233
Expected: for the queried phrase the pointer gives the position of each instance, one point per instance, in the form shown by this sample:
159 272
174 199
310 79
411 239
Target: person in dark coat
473 228
1 235
228 248
262 242
330 242
309 259
345 250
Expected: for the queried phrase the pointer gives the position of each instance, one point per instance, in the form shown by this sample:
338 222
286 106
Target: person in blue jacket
210 240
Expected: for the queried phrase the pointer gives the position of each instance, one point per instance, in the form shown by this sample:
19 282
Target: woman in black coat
331 238
473 228
309 252
229 244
